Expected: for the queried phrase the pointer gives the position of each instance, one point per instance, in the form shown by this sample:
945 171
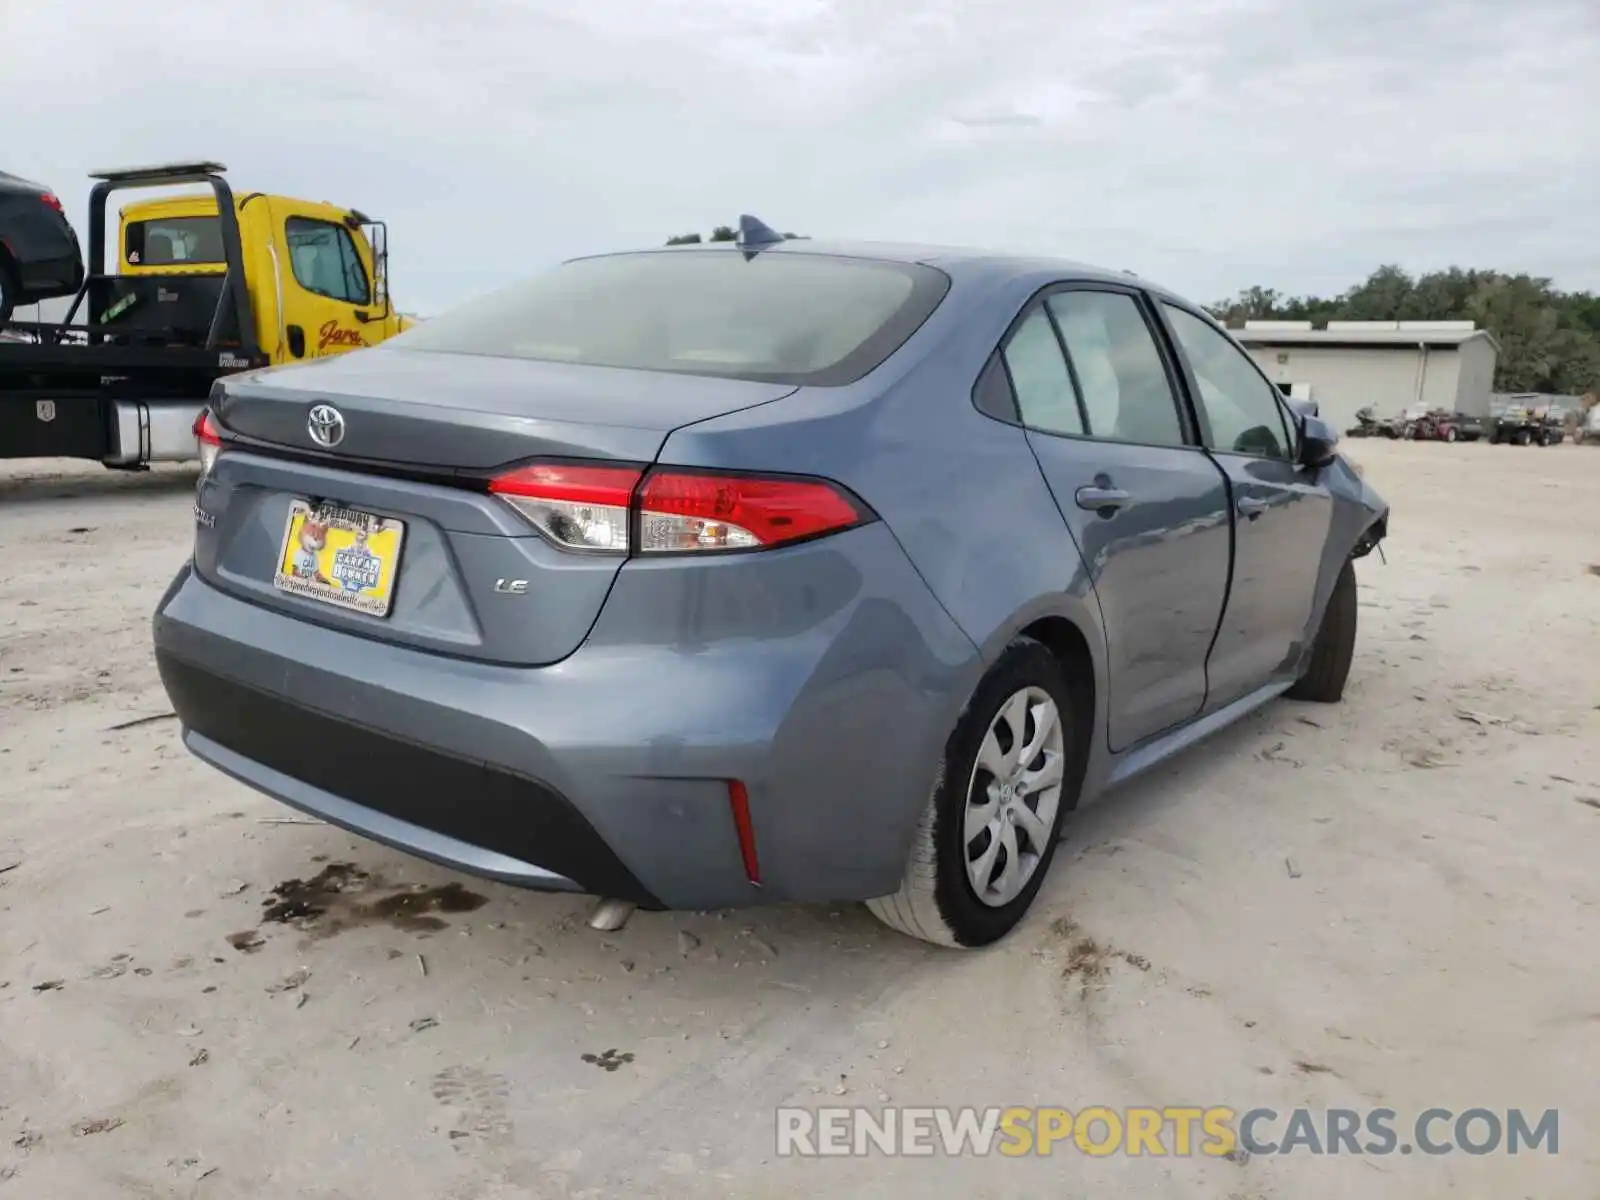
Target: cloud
1214 144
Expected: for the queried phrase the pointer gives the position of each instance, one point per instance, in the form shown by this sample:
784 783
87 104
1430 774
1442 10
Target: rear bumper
607 772
437 805
46 278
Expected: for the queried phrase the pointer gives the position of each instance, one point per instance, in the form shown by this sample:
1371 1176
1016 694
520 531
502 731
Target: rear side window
779 316
172 241
1127 396
1039 376
324 260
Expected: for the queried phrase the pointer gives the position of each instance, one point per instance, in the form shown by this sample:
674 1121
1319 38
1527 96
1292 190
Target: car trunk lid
469 413
422 435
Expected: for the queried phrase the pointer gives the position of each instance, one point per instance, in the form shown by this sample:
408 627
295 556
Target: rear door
1283 514
326 278
1146 508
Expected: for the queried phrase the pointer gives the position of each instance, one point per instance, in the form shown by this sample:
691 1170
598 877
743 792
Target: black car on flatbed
40 258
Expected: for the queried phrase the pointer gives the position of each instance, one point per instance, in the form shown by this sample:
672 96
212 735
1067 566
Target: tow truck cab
315 273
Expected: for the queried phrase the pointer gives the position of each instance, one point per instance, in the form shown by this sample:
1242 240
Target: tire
1450 434
10 289
1335 647
1521 438
938 900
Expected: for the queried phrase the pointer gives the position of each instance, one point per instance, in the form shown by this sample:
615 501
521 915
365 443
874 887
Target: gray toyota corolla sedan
770 571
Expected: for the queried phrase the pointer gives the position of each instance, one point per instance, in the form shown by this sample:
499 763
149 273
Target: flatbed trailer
120 393
261 280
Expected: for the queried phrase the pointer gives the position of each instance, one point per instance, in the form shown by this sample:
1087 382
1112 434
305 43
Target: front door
326 281
1283 515
1147 508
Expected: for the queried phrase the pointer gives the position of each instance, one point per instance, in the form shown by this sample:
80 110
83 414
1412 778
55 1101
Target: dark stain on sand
341 896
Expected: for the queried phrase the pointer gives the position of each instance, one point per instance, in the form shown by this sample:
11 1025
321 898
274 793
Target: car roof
16 183
961 263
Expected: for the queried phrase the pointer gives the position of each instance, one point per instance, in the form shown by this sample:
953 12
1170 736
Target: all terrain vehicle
1440 425
1526 427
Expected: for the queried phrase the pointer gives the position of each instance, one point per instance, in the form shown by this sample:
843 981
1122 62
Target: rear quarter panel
961 492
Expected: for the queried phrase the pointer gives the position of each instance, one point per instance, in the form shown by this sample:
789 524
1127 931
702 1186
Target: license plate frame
343 557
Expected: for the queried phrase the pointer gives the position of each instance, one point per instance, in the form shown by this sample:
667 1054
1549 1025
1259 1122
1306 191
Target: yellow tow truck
203 286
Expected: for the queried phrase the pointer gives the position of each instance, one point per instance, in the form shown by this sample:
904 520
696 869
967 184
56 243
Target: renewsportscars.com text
1173 1131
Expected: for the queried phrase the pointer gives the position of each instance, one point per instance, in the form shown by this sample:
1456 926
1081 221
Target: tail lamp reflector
739 803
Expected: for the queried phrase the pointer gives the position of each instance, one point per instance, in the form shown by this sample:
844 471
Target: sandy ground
1384 902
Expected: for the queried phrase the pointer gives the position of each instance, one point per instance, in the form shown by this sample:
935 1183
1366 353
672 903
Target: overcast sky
1209 144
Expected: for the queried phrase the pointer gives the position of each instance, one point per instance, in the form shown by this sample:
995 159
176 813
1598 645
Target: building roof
1362 333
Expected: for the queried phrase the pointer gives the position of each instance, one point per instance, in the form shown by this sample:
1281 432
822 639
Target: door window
1126 393
1046 399
324 260
1241 407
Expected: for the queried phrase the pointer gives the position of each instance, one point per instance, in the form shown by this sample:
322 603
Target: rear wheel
9 289
1521 438
1335 647
1451 435
1010 771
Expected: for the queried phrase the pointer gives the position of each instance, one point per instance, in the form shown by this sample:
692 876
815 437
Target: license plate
340 556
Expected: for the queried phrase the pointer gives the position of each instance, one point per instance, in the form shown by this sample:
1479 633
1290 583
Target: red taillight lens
576 507
208 439
593 508
51 201
700 511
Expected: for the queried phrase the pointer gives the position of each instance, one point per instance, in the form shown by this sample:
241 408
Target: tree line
1549 339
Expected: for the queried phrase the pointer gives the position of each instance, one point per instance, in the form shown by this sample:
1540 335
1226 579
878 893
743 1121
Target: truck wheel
1335 647
9 291
1010 771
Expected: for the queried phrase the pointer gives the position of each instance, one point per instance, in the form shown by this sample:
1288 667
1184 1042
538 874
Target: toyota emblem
325 424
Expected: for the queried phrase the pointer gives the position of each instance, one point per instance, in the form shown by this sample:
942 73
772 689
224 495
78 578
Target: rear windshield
163 241
781 316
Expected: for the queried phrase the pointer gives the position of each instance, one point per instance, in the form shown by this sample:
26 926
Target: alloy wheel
1012 796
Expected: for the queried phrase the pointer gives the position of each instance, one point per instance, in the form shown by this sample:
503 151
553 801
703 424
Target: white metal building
1389 365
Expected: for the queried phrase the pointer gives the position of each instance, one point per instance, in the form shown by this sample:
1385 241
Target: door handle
1251 507
1103 500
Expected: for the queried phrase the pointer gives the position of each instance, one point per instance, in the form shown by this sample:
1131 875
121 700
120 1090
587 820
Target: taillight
700 511
51 201
576 507
208 438
622 510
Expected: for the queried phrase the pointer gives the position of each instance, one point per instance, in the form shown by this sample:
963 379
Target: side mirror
1319 442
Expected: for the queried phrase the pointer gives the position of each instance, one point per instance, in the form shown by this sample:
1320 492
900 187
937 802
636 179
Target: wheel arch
1068 625
1070 647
